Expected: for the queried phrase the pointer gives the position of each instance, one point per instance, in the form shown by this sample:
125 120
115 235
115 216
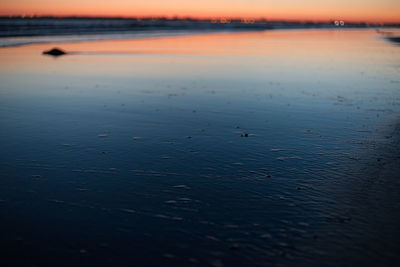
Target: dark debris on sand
394 40
55 52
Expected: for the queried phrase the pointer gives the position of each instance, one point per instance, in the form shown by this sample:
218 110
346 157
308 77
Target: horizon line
205 18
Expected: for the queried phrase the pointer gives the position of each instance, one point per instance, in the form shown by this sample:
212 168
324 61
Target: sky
315 10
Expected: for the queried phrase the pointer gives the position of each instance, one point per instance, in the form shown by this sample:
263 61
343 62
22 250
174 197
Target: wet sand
248 149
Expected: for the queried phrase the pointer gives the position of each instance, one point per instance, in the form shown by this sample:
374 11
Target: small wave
21 41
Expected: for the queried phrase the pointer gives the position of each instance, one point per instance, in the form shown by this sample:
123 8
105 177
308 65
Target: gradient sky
355 10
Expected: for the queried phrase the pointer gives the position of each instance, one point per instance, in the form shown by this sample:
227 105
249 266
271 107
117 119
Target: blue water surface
262 155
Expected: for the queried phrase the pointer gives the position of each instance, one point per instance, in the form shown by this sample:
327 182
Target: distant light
224 20
248 21
339 23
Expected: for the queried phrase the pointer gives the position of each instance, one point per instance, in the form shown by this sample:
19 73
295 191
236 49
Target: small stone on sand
55 52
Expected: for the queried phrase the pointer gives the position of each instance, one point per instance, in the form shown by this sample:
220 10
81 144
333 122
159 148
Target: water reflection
220 149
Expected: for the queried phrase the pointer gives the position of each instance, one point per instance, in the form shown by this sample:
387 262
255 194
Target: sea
183 147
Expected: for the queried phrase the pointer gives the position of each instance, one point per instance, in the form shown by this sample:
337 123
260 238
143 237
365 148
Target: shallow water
267 148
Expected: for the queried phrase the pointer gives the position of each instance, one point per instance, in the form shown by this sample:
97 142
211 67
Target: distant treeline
54 26
216 20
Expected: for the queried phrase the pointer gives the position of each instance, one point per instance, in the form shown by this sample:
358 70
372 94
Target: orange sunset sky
351 10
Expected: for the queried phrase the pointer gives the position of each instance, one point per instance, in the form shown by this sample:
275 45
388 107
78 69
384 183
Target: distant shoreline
49 26
202 19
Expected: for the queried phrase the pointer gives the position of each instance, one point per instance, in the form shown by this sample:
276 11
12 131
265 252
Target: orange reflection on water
307 43
219 51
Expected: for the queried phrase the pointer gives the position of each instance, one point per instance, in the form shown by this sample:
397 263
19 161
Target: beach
264 148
